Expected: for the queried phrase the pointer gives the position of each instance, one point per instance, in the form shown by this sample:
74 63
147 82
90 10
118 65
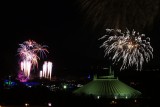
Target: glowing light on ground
130 48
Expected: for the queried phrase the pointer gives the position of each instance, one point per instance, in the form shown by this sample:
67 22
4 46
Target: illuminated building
108 87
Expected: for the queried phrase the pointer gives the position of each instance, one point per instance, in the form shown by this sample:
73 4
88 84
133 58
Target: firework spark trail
139 14
26 67
133 49
47 70
41 74
28 52
50 69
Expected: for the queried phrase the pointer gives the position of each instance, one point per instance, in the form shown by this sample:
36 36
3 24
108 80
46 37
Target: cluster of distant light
47 70
131 48
28 53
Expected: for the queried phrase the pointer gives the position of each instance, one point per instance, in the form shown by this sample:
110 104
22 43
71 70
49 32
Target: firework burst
28 52
132 48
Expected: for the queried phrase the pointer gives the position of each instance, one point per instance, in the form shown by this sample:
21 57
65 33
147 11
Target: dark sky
58 24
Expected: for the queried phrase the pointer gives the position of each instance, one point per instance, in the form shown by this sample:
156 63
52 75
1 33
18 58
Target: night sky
59 25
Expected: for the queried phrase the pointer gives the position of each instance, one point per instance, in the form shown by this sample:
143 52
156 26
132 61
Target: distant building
108 87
